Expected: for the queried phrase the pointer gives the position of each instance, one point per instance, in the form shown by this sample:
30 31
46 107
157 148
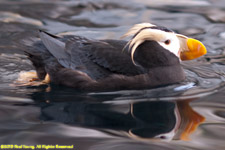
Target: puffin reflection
164 120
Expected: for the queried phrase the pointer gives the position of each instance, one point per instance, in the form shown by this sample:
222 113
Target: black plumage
103 65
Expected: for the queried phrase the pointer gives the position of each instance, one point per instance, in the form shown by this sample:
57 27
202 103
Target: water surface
189 115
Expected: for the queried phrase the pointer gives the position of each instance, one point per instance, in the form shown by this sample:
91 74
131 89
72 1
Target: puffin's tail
35 51
38 63
49 51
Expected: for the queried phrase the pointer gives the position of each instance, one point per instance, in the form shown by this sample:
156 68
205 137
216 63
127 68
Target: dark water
189 115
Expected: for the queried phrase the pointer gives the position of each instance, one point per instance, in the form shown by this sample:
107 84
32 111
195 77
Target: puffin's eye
167 42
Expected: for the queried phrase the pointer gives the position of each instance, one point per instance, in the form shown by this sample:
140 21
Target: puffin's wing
109 55
98 57
56 48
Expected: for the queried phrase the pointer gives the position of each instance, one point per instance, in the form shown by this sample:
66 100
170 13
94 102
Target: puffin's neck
150 54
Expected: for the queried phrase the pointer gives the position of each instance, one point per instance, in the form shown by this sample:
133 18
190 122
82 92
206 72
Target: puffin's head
183 47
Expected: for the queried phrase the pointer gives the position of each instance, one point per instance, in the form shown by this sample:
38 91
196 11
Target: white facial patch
170 42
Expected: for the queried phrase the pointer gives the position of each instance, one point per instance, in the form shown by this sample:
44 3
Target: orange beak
194 49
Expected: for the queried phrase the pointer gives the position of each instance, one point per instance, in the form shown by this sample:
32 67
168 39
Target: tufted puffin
151 58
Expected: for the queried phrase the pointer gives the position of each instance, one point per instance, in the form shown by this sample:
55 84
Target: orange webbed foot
30 79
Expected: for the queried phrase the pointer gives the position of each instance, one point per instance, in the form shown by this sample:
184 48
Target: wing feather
56 48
